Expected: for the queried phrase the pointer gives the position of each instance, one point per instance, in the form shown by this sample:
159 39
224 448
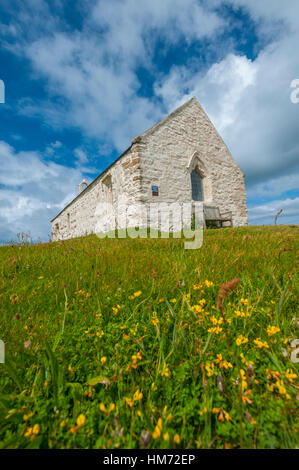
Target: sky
83 78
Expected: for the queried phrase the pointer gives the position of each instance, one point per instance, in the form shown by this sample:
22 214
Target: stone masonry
164 157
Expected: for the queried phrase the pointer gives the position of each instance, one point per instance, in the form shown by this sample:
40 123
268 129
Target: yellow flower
281 388
244 361
243 380
261 344
222 414
197 309
28 432
137 395
290 375
223 363
62 424
158 429
36 429
210 369
197 286
165 371
241 340
216 330
111 407
103 407
173 301
176 439
81 420
129 401
103 360
272 330
166 436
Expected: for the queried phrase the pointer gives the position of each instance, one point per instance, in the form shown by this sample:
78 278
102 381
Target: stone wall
80 216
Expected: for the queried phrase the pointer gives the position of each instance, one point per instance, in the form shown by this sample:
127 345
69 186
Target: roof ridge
169 116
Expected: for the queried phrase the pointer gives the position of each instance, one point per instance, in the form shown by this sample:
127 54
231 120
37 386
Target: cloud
249 103
91 72
265 213
33 191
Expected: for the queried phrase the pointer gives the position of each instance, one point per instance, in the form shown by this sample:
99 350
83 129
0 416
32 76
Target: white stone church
180 159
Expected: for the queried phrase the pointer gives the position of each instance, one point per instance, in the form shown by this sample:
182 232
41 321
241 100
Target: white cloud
265 213
34 192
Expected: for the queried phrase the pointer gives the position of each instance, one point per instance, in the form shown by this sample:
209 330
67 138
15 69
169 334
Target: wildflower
165 371
155 319
176 439
103 407
222 414
197 286
245 397
243 380
223 363
136 294
197 308
244 361
224 290
244 301
129 402
114 310
137 395
28 432
26 417
103 360
261 344
210 369
290 376
173 301
35 429
111 407
241 340
272 330
62 424
81 420
215 330
209 283
161 300
158 429
166 436
281 388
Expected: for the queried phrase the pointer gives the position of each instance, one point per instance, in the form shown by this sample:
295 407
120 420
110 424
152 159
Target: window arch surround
198 173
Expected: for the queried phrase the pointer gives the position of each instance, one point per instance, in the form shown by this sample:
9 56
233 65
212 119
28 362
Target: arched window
197 190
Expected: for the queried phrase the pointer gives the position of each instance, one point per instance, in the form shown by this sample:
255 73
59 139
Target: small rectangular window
155 191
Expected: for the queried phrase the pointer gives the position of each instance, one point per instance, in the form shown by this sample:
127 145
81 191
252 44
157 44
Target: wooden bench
212 214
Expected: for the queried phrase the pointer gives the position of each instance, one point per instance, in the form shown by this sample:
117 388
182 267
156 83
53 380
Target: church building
180 159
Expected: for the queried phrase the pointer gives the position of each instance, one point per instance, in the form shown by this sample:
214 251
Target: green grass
66 306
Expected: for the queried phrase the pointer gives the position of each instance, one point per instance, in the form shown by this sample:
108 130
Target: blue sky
83 78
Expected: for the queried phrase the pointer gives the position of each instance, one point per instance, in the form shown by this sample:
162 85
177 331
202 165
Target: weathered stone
163 156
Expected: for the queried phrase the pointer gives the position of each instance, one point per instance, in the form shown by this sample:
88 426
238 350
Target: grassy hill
134 343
